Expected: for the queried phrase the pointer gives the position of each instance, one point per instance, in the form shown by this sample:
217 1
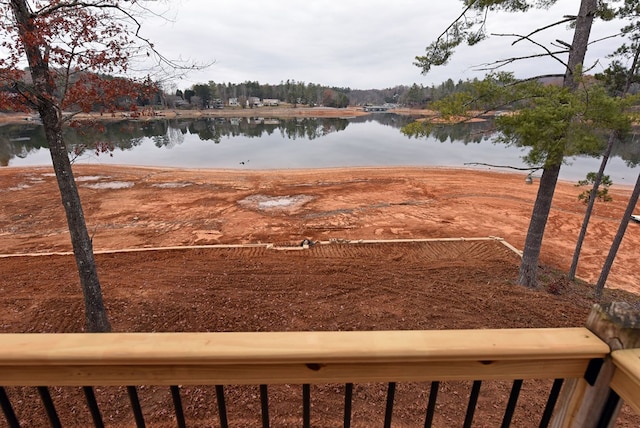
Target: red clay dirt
333 285
128 207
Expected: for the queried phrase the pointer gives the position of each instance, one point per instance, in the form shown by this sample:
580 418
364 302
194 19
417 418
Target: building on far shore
254 102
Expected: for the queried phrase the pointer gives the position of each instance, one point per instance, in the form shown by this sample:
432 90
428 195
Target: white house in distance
253 102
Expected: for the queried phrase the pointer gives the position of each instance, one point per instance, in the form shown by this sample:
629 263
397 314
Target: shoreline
275 112
320 170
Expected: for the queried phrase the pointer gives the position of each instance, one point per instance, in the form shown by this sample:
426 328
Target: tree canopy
547 126
71 48
79 46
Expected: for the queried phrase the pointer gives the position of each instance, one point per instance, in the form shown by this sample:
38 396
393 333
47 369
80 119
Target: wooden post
583 401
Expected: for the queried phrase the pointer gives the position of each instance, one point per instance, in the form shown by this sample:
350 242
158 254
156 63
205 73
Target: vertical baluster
348 400
177 404
473 401
264 401
135 406
54 420
388 413
222 407
551 403
431 406
7 409
306 406
610 409
511 405
92 403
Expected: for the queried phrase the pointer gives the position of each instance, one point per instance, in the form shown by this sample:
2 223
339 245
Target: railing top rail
299 347
294 357
626 379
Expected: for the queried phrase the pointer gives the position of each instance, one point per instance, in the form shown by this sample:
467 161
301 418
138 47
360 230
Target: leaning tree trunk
590 204
96 319
539 216
605 158
542 206
604 274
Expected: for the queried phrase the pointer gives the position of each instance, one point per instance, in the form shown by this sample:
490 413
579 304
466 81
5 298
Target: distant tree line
212 94
207 95
204 95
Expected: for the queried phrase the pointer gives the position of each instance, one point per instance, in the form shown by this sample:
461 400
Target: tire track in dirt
416 251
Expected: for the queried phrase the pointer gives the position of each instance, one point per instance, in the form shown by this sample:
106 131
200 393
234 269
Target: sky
361 44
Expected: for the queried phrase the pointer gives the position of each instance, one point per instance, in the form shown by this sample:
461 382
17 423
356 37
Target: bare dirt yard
337 284
129 207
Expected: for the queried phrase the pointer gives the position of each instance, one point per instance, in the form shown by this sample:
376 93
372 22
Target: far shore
270 112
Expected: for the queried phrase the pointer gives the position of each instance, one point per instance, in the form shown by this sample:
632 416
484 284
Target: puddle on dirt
110 185
31 180
264 202
171 185
91 178
20 186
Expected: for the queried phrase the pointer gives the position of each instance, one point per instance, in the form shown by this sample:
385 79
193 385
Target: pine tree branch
454 22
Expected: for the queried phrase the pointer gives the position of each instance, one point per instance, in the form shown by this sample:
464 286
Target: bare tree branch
612 36
531 168
563 43
503 62
546 27
540 45
162 60
50 9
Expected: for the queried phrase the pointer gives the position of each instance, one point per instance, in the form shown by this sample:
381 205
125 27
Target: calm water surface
263 143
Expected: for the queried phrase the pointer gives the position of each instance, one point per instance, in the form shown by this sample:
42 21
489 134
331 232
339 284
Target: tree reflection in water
22 140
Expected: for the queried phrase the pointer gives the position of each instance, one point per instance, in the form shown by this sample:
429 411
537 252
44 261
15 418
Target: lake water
264 143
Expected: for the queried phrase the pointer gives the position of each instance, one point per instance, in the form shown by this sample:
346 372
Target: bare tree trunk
590 204
542 206
632 71
605 158
533 242
96 319
618 238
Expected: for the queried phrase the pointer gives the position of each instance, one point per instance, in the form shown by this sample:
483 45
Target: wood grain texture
294 357
626 379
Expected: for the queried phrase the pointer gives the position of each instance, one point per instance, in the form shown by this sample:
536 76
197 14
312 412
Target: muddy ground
332 285
128 207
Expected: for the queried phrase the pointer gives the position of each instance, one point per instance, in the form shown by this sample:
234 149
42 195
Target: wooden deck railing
626 378
348 358
294 357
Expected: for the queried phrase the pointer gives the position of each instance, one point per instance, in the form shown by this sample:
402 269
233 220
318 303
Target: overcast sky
360 44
